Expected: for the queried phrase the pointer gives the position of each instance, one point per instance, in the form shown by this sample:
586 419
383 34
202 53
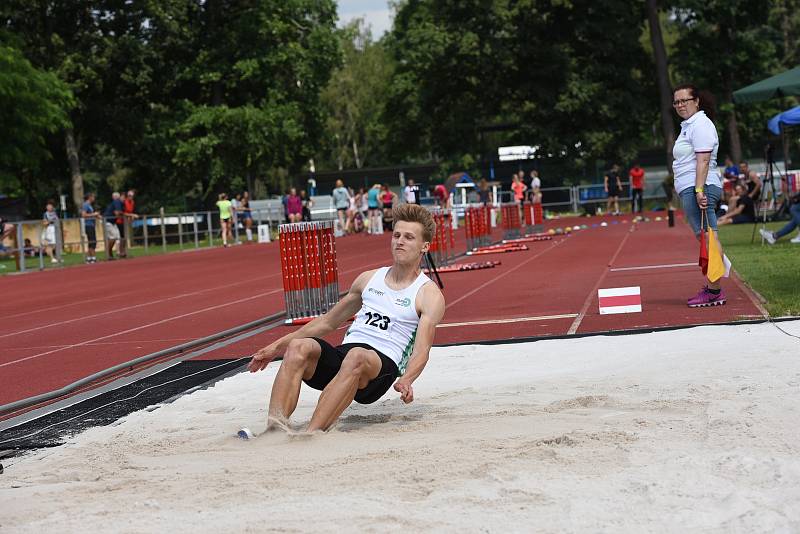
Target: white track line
514 320
93 341
664 266
156 323
495 279
120 295
109 343
577 322
149 303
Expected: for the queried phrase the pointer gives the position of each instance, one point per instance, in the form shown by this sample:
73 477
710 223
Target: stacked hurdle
477 224
511 221
308 265
442 247
534 218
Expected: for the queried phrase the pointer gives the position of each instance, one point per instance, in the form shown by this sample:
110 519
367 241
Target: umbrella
790 117
783 84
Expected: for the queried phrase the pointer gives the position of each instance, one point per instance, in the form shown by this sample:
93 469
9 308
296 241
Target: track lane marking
577 322
513 320
663 266
511 270
156 323
152 302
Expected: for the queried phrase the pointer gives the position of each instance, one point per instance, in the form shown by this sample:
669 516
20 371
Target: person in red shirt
637 188
123 222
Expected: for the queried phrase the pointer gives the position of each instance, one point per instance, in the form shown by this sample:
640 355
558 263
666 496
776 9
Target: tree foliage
571 77
355 101
33 103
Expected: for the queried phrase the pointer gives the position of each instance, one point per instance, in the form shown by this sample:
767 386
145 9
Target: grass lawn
772 270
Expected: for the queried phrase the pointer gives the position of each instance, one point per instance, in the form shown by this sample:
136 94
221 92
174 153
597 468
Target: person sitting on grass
794 211
396 312
744 210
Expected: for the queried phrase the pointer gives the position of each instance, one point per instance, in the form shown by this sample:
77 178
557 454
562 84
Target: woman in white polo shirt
695 168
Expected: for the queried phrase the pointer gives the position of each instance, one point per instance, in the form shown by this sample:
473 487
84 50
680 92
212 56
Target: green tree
230 113
570 77
355 100
723 46
33 104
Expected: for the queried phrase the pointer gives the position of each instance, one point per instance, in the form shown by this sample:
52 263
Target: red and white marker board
620 300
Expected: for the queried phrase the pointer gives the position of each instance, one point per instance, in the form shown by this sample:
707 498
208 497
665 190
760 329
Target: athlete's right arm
319 327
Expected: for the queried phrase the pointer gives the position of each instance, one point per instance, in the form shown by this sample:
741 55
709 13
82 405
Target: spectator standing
411 192
388 199
113 211
225 217
696 178
246 215
307 204
295 206
744 171
48 237
441 196
613 188
637 188
341 201
129 211
352 211
89 216
236 203
519 188
535 193
6 229
743 210
483 192
374 207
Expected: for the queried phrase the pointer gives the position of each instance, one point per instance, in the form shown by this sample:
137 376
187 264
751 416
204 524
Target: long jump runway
62 325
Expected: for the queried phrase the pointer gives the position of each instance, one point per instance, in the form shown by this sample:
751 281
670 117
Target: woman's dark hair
707 101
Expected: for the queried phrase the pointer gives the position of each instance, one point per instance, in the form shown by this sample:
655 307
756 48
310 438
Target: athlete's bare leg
358 368
299 362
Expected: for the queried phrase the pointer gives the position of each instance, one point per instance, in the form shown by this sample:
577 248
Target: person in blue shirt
110 215
89 216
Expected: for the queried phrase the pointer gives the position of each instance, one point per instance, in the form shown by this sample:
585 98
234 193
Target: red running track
62 325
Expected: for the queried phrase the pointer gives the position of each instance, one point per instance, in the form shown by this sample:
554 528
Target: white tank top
387 320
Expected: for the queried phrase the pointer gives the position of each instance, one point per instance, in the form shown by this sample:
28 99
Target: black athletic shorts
91 236
330 361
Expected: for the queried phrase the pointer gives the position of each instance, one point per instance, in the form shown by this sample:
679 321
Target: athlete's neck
402 275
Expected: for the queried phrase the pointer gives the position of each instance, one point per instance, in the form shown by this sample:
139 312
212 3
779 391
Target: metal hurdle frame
477 225
534 217
511 221
309 271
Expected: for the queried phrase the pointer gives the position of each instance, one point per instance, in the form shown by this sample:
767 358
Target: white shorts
112 232
49 235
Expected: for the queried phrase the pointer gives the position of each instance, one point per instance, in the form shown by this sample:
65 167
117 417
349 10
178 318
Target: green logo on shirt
403 302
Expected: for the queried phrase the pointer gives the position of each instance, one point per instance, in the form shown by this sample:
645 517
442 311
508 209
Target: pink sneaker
706 298
699 294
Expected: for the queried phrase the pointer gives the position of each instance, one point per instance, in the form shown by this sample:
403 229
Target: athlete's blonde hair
417 214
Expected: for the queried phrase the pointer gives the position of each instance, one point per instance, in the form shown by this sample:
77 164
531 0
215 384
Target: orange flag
716 267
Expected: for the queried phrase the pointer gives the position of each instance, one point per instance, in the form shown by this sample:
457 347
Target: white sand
692 430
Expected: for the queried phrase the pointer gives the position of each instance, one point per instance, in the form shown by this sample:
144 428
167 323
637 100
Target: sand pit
642 433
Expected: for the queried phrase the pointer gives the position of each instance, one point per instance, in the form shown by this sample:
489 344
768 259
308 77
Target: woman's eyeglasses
683 102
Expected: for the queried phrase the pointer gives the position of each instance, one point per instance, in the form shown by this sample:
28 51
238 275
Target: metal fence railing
31 246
